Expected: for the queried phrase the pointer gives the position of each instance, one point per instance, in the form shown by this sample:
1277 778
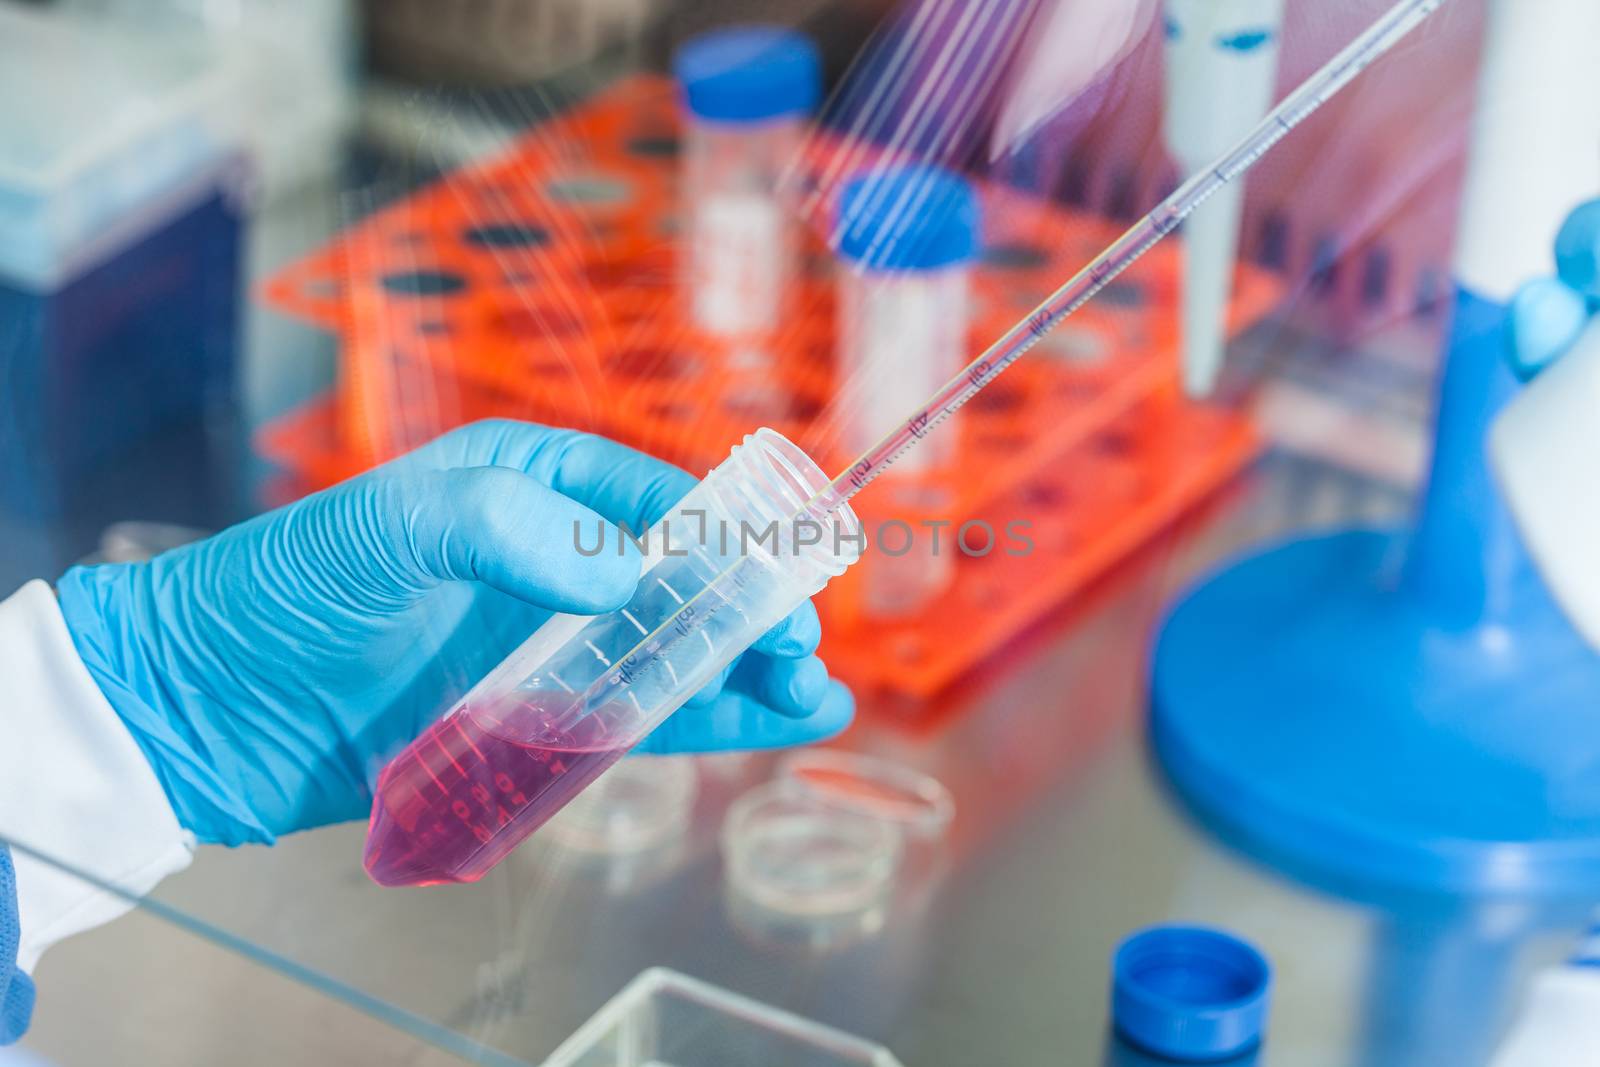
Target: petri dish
792 852
915 803
641 802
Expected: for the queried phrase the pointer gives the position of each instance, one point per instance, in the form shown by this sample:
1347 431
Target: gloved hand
270 671
1548 314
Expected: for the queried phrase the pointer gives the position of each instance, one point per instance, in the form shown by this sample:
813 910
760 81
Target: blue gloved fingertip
611 578
1546 317
835 711
808 685
1578 249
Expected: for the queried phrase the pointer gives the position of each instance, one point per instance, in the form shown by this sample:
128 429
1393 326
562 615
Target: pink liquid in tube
470 788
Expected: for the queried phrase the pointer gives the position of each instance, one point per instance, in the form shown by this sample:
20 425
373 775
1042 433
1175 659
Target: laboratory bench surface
1066 838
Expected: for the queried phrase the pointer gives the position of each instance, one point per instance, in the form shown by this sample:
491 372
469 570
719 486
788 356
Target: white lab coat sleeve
74 786
1560 1024
1543 447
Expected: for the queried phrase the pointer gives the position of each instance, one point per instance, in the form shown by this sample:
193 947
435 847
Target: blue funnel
1404 708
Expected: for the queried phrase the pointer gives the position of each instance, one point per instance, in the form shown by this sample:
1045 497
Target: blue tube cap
917 217
1189 992
749 74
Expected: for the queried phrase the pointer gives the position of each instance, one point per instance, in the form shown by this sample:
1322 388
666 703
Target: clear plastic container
793 852
719 570
667 1019
747 93
906 237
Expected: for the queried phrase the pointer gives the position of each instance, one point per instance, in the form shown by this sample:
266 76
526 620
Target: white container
105 136
906 238
747 93
291 67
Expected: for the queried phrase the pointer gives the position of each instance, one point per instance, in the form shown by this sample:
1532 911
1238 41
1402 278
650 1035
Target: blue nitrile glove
1548 314
269 671
16 988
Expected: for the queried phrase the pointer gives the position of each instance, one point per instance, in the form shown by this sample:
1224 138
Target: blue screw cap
1189 992
916 217
749 74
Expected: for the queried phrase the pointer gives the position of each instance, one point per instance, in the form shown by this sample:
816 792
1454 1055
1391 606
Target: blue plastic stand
1408 710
